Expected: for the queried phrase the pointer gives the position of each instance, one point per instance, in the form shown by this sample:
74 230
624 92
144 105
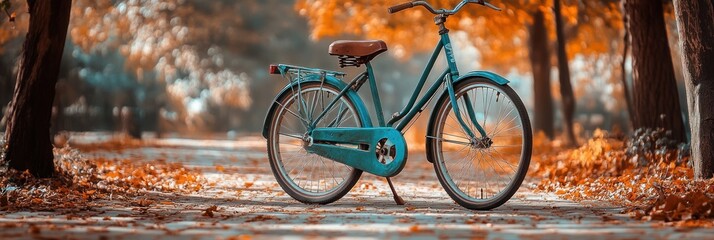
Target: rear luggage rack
285 70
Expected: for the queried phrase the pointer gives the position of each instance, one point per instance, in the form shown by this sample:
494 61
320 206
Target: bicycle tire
446 179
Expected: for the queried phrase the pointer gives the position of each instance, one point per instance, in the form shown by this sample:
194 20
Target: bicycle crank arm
382 150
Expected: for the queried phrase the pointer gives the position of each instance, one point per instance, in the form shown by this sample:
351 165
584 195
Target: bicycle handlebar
404 6
400 7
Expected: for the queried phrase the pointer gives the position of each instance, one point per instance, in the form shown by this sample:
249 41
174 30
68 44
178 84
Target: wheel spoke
304 121
450 141
291 135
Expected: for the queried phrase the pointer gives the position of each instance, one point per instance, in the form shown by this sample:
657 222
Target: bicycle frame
413 107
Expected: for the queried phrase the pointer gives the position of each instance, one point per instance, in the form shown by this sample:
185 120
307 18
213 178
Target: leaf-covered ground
647 173
82 183
224 189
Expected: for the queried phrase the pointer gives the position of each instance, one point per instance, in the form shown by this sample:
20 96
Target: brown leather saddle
356 52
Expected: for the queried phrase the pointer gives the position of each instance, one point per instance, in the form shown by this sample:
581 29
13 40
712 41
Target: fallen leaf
209 211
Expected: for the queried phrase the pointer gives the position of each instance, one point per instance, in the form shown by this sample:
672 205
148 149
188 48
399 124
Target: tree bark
566 89
695 21
540 66
654 88
28 132
6 83
623 68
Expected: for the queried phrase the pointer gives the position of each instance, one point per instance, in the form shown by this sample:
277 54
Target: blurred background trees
184 66
539 53
566 88
193 68
516 41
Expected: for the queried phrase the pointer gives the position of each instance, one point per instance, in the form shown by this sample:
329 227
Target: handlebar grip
491 6
400 7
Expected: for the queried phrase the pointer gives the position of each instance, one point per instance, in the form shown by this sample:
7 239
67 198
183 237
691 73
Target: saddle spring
348 61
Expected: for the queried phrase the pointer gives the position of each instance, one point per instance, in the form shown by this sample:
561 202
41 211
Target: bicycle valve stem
397 198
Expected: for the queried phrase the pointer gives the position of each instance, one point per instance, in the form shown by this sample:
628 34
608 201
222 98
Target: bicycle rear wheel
479 175
308 177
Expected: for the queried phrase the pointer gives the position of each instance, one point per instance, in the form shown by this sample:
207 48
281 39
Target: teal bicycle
321 136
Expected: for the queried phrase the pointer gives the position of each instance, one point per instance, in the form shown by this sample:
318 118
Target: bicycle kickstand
397 198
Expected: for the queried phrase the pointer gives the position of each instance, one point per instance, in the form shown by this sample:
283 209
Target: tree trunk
540 66
130 122
129 116
695 21
28 131
6 82
566 89
654 88
623 68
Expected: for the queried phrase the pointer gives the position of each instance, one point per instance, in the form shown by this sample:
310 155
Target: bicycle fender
489 76
351 94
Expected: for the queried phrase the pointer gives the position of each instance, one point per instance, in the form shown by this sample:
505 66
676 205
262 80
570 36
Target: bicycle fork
469 110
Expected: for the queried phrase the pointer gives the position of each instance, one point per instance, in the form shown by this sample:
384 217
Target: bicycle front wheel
477 173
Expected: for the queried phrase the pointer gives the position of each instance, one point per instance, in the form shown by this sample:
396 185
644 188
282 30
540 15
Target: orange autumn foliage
593 27
647 173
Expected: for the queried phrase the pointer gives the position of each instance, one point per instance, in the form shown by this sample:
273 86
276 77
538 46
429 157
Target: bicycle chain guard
333 143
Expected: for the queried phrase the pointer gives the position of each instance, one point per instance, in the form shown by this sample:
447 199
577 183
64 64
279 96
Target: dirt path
250 204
